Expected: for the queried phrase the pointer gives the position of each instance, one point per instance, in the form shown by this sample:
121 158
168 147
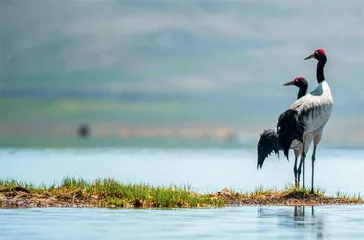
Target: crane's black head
319 54
298 82
301 83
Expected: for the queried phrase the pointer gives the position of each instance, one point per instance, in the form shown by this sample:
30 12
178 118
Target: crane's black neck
320 68
303 90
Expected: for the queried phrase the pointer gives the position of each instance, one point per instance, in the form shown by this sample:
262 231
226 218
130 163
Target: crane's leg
316 141
313 165
297 154
295 173
303 155
305 147
303 173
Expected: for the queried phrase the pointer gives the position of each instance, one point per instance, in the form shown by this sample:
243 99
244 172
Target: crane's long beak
288 83
311 56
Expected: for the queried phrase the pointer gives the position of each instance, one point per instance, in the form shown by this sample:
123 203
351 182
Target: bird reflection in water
296 217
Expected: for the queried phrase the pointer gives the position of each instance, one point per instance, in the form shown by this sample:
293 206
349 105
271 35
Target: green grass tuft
350 197
110 193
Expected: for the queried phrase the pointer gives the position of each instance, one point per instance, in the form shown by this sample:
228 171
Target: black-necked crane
269 143
306 118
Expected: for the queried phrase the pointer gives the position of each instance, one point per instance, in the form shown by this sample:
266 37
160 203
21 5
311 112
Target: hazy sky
242 48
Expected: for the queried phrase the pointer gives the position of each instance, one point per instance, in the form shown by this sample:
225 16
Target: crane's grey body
315 108
314 111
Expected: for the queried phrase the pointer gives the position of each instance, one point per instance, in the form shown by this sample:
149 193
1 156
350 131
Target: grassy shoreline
108 193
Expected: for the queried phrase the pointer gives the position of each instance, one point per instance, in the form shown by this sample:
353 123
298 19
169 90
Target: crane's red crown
321 51
299 78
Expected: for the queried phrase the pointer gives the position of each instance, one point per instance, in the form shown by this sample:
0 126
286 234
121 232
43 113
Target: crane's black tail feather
289 128
267 144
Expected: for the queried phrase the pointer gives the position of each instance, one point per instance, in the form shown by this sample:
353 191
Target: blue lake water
206 170
325 222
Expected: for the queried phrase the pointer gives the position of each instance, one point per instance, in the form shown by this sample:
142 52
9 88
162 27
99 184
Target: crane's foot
297 183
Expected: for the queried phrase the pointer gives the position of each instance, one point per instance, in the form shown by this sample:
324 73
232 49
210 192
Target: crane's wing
268 143
312 100
302 103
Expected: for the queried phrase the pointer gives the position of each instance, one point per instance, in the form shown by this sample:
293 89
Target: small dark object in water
84 130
